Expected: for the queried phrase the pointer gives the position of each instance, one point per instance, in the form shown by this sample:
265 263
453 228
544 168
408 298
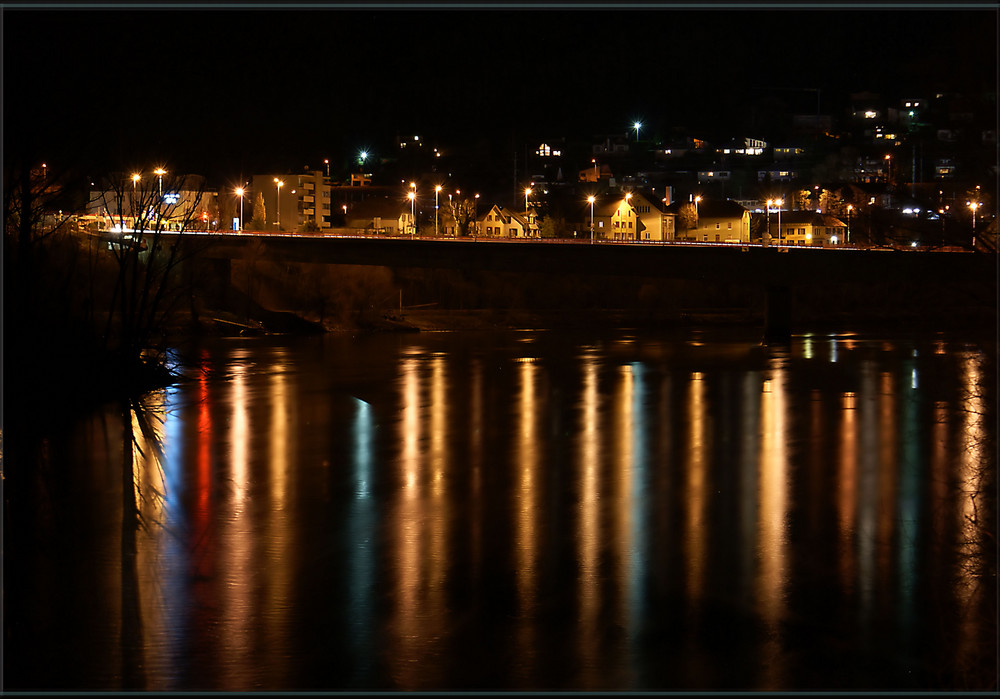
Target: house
636 216
718 221
501 222
809 228
654 221
385 216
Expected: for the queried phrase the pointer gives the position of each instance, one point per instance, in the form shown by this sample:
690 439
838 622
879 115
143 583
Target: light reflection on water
530 512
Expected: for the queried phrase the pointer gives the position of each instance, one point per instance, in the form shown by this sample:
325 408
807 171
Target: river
517 510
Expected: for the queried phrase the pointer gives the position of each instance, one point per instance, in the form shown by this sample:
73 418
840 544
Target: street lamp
696 200
475 216
626 236
239 193
636 126
135 178
849 208
973 205
767 233
326 161
888 169
277 206
437 189
778 203
160 172
413 217
591 200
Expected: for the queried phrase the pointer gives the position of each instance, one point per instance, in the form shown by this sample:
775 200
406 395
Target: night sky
254 90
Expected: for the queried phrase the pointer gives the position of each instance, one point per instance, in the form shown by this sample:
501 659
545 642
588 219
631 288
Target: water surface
523 510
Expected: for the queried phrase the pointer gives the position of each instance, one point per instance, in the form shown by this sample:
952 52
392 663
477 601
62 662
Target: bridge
774 268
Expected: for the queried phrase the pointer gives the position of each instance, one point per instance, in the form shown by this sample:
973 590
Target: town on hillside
918 172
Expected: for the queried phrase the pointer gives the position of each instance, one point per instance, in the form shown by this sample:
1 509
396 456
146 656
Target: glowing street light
239 193
412 195
160 172
591 199
848 239
696 200
527 193
778 203
277 206
767 233
636 126
326 161
475 216
437 189
974 205
135 179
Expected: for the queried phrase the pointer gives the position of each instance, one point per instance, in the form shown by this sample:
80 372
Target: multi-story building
294 202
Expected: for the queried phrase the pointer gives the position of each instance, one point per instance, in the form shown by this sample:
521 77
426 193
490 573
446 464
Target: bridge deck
749 263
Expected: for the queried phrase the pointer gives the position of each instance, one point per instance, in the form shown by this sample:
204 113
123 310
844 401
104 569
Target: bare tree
145 245
462 212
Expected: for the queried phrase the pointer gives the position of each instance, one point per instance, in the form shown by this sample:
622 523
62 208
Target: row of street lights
136 177
412 195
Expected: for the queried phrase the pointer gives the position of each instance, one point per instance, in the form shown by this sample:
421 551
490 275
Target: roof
810 217
377 208
712 208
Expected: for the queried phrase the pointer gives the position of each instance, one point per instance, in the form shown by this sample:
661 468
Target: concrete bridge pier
207 278
778 314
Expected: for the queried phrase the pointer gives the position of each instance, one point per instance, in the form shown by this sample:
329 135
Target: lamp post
849 208
973 205
412 195
591 200
527 223
636 126
628 196
277 206
239 193
436 190
767 232
160 172
135 178
326 161
475 216
778 203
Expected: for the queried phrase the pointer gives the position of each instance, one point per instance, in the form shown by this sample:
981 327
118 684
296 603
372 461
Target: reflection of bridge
776 269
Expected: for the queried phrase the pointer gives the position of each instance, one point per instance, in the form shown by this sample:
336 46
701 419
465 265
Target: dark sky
220 91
